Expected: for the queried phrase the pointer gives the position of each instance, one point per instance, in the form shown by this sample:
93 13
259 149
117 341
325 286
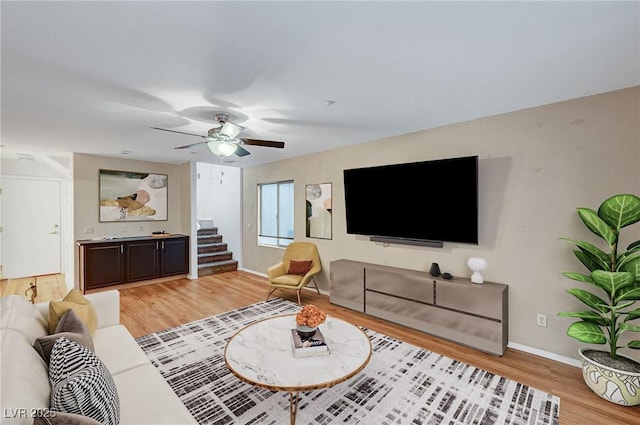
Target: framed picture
131 196
318 207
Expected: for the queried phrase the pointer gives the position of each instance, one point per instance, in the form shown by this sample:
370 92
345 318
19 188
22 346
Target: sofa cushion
69 326
81 384
82 307
300 267
117 349
24 380
19 314
61 418
146 398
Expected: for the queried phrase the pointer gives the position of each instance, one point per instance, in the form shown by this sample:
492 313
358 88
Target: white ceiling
93 77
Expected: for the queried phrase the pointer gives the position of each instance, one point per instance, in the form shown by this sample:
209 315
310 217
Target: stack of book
312 346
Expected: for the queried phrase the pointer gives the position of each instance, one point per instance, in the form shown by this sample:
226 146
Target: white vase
477 265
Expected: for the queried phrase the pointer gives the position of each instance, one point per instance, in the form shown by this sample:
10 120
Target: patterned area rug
402 384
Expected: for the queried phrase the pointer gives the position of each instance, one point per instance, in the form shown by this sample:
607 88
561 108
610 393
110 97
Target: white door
30 237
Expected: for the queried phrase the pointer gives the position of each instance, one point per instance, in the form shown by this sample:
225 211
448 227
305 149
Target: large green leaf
633 315
629 327
579 277
631 265
612 282
592 262
634 344
591 256
619 211
629 293
587 316
597 225
589 299
587 332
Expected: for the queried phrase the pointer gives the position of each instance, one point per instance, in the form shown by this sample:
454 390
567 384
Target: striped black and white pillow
81 383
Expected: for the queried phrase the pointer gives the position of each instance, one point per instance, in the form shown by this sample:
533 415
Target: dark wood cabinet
125 260
174 256
104 263
142 260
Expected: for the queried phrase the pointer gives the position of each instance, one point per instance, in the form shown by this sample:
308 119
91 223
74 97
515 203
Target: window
275 213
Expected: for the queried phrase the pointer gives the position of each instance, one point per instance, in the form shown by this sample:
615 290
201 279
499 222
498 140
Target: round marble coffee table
261 355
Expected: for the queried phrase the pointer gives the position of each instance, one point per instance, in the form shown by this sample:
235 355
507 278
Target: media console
457 310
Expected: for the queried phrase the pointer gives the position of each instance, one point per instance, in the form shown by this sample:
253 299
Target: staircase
213 256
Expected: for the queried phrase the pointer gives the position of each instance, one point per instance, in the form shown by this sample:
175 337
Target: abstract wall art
132 196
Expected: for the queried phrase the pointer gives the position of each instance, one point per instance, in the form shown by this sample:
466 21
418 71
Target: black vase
435 269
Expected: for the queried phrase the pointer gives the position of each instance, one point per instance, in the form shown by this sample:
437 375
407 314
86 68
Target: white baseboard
252 271
514 345
545 354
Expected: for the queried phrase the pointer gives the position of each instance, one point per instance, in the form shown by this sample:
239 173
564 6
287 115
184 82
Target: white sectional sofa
145 397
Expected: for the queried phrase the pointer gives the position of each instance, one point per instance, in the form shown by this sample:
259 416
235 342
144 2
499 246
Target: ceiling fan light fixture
230 129
222 149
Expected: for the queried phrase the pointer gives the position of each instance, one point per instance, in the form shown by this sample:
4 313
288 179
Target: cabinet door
142 260
174 255
103 265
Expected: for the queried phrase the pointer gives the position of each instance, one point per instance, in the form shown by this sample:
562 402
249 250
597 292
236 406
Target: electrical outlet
88 230
541 320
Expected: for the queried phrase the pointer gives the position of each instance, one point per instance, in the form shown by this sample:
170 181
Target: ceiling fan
223 141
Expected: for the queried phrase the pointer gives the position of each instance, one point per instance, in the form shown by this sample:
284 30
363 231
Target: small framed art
318 209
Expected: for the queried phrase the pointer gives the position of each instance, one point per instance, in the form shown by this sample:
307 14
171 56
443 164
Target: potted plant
308 319
616 275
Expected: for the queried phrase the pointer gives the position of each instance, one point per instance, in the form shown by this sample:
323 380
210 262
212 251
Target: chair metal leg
271 292
298 293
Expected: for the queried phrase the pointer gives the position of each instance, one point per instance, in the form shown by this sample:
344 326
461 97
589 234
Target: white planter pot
614 385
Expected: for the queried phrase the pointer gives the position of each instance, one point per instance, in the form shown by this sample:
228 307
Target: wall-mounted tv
418 201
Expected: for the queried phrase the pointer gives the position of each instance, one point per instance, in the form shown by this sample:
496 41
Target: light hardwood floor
152 308
49 287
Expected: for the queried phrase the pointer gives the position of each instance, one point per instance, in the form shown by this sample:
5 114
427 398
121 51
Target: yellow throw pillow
80 306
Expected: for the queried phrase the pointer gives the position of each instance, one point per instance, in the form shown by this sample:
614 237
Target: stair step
208 231
214 257
217 267
212 247
209 239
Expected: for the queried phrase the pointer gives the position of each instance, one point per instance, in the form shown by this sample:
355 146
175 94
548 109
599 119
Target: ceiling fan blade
190 146
240 151
179 132
267 143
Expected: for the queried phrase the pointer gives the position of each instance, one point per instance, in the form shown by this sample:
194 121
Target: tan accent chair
278 273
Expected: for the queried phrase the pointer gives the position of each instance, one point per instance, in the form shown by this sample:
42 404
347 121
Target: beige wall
536 166
85 198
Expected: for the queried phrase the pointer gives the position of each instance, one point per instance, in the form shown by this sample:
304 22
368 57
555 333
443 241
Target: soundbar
406 241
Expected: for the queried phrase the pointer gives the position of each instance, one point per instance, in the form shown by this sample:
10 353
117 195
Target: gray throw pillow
60 418
70 322
71 327
81 383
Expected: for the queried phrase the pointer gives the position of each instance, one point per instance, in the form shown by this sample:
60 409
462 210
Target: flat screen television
422 201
